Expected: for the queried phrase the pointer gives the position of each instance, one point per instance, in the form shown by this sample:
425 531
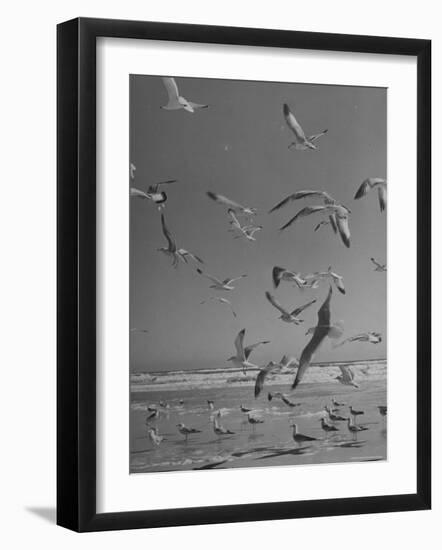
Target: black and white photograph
258 273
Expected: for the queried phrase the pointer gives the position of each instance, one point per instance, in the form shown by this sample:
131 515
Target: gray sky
238 147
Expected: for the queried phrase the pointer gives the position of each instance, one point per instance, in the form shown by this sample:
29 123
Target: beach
184 396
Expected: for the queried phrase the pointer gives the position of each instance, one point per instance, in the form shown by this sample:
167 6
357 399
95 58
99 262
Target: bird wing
347 373
275 303
302 195
300 309
277 273
306 211
168 235
314 137
332 219
321 331
225 201
134 192
260 379
363 189
248 350
344 229
210 277
229 281
197 105
339 282
234 218
184 253
239 344
382 196
172 90
293 124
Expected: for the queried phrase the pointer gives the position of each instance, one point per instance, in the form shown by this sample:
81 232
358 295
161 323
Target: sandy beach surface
266 444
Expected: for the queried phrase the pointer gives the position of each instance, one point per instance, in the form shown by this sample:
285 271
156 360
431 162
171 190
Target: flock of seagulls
241 219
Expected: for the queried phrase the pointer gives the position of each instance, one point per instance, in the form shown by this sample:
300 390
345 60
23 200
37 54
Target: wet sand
267 444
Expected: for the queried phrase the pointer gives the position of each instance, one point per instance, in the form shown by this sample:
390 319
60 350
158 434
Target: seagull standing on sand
176 101
379 267
301 438
327 428
286 316
354 428
321 331
218 284
301 142
369 337
154 436
346 377
253 420
220 430
240 360
184 430
374 183
231 205
244 409
355 413
172 251
337 403
334 417
222 301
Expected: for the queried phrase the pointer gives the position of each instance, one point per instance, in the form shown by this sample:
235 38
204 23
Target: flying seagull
132 169
222 301
242 353
246 231
338 280
335 332
354 428
153 193
321 331
374 183
262 375
172 251
176 101
300 438
347 376
281 274
379 267
283 397
370 337
219 284
338 211
231 205
301 142
286 316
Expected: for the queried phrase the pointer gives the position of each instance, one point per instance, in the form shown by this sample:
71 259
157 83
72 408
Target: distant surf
369 370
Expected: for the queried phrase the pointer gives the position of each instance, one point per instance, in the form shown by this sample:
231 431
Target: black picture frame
76 274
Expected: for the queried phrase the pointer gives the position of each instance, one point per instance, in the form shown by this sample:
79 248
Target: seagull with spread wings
321 332
175 100
153 193
379 267
288 316
339 212
374 183
281 274
242 353
338 280
219 284
302 142
346 377
231 205
177 254
370 337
